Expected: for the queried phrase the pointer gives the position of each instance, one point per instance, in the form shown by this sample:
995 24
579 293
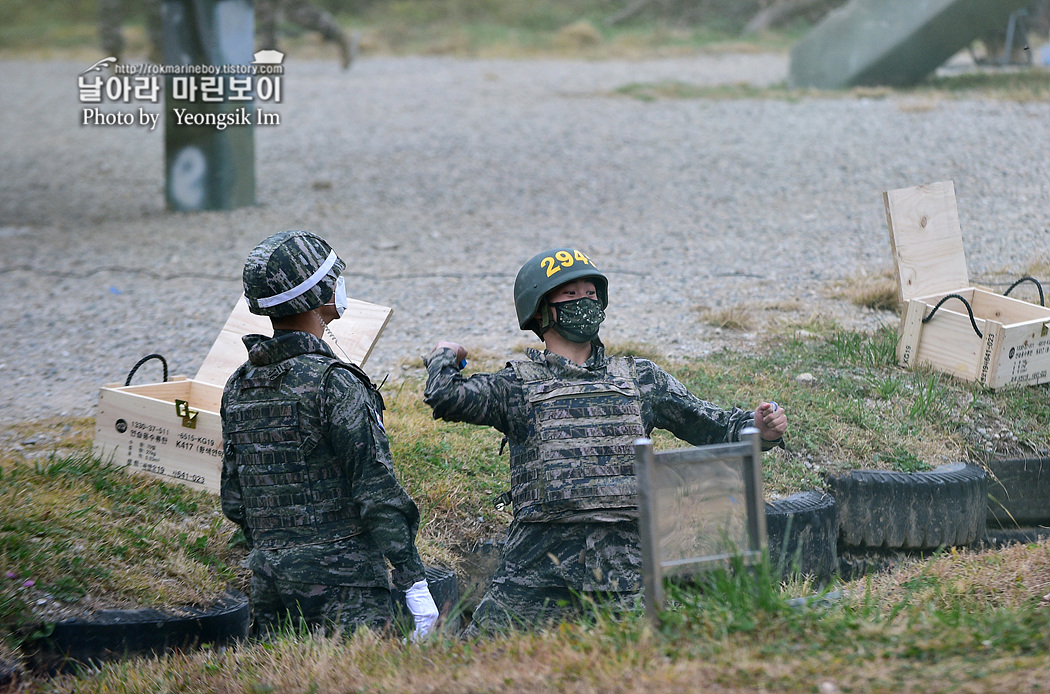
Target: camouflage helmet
549 270
290 272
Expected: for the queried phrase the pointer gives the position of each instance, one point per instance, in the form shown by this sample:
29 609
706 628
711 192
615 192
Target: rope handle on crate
968 310
143 361
1027 279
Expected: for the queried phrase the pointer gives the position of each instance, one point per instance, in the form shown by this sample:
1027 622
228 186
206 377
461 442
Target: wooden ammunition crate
172 429
998 341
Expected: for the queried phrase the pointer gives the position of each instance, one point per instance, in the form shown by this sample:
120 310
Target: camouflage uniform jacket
595 550
340 423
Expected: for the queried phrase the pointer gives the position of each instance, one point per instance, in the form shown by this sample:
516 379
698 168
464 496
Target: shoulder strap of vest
356 370
624 367
530 371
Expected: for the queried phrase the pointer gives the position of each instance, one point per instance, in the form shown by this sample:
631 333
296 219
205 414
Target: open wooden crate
172 429
975 334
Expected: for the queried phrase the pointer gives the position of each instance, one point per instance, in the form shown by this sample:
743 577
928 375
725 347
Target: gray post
756 507
652 576
207 167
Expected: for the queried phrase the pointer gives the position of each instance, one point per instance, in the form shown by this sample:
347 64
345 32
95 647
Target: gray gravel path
436 178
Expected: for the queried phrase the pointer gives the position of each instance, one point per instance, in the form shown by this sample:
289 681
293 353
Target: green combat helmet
547 271
290 272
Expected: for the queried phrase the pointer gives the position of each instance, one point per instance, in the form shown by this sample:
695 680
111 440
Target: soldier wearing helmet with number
571 414
307 471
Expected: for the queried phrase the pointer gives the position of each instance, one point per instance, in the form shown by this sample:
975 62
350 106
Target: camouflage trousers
278 603
507 606
300 12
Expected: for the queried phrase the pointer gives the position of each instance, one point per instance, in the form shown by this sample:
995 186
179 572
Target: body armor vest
294 490
579 453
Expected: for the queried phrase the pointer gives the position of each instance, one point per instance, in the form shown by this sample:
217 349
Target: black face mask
578 320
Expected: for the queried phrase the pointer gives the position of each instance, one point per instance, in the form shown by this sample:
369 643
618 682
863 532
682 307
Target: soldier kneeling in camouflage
571 415
307 471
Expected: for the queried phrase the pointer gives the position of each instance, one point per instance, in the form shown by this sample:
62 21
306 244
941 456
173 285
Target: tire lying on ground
1019 492
856 563
941 507
996 538
445 591
802 533
113 634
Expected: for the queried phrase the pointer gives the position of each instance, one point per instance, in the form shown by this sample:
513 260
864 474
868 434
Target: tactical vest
294 489
579 453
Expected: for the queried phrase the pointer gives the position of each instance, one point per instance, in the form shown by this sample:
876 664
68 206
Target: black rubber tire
801 532
444 589
113 634
855 563
1019 492
920 510
1003 537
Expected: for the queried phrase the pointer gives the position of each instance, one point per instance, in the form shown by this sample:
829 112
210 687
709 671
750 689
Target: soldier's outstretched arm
691 419
488 399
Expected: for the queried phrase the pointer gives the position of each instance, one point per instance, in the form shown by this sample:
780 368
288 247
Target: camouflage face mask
578 320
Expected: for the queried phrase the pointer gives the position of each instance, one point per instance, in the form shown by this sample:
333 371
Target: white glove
423 609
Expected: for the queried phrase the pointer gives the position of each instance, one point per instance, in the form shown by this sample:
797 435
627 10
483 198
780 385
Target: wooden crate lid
926 240
357 332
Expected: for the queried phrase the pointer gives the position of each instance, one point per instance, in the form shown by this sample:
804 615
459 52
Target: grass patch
733 317
676 89
1005 85
1024 86
926 628
83 532
453 471
877 292
75 531
465 28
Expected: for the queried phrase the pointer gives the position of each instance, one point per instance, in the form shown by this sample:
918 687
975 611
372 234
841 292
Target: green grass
80 530
1020 86
450 27
931 629
74 530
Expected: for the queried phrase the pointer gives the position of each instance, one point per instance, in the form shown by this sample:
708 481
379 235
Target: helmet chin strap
546 320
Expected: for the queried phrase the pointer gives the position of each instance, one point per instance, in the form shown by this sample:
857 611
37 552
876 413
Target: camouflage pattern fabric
507 607
310 17
347 432
287 261
588 553
579 452
497 400
278 601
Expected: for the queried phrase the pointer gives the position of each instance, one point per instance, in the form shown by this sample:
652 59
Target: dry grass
735 317
453 471
44 438
1039 269
578 35
1009 578
937 627
877 292
920 629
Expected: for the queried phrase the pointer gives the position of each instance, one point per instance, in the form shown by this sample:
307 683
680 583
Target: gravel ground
435 178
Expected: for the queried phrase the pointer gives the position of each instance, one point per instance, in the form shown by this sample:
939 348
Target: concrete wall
891 42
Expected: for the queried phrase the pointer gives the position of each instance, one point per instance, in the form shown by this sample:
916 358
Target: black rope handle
968 310
1027 279
143 361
